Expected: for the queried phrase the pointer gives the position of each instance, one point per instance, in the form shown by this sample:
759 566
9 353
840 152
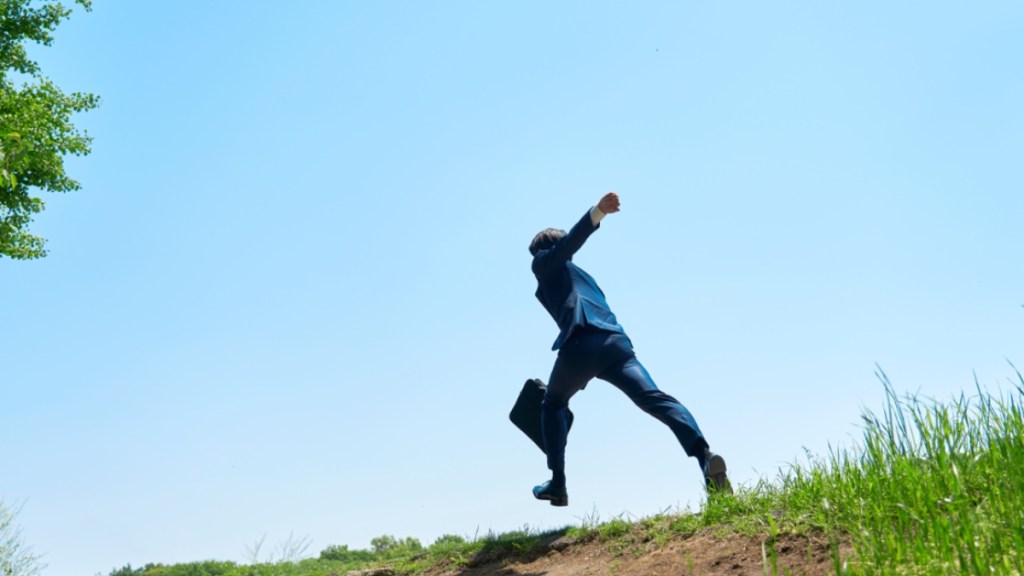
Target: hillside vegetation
934 488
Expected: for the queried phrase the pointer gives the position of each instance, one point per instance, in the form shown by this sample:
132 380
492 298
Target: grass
934 488
937 487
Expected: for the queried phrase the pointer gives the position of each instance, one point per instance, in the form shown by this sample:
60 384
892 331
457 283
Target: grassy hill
934 488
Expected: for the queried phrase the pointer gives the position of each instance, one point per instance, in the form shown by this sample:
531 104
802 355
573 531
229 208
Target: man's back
566 291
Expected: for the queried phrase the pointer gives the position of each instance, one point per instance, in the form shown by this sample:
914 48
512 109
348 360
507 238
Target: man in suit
592 344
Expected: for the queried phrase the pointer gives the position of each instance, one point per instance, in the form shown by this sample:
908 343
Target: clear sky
294 294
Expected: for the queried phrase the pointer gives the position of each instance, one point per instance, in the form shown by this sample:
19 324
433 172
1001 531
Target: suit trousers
593 353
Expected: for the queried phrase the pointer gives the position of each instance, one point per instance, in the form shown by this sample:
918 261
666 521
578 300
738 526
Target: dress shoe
715 478
555 494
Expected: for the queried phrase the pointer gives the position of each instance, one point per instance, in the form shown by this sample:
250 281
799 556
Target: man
592 344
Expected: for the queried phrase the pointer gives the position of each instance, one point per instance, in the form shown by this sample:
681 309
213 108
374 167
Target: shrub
16 559
343 554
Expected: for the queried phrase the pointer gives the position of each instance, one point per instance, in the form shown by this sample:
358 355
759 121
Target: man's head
545 240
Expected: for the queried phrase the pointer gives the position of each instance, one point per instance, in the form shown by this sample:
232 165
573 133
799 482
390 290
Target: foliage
447 540
16 559
205 568
127 570
35 124
389 547
343 554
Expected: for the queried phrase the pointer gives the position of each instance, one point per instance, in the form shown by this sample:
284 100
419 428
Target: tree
341 553
448 540
15 558
127 570
35 124
389 547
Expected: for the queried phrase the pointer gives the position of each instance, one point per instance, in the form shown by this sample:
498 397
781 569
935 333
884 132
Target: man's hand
609 203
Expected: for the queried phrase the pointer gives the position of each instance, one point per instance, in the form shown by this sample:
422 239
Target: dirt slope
702 554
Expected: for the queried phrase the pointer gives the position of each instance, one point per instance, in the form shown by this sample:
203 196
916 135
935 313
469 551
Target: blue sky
294 297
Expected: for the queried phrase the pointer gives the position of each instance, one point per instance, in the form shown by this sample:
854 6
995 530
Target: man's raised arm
561 252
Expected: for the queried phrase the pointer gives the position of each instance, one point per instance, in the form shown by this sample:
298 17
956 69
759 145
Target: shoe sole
554 501
716 466
718 476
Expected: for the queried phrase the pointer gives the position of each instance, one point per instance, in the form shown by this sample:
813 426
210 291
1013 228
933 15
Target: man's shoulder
540 267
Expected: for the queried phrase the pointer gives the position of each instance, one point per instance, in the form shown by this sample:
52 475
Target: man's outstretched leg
633 379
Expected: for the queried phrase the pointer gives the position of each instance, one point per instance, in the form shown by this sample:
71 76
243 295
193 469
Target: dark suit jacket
568 293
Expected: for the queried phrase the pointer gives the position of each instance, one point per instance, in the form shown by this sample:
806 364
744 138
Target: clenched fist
609 203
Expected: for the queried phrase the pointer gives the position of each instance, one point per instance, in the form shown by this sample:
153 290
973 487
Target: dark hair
545 240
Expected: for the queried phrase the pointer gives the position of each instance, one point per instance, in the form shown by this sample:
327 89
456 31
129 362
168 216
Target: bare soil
698 555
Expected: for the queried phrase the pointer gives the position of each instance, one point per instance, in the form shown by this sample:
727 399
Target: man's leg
633 379
566 380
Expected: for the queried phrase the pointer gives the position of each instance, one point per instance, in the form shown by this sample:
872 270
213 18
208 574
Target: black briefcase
525 413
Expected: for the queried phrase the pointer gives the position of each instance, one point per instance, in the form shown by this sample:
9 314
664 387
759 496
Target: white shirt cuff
596 215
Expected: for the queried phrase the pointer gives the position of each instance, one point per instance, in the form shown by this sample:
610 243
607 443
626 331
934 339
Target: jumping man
592 344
